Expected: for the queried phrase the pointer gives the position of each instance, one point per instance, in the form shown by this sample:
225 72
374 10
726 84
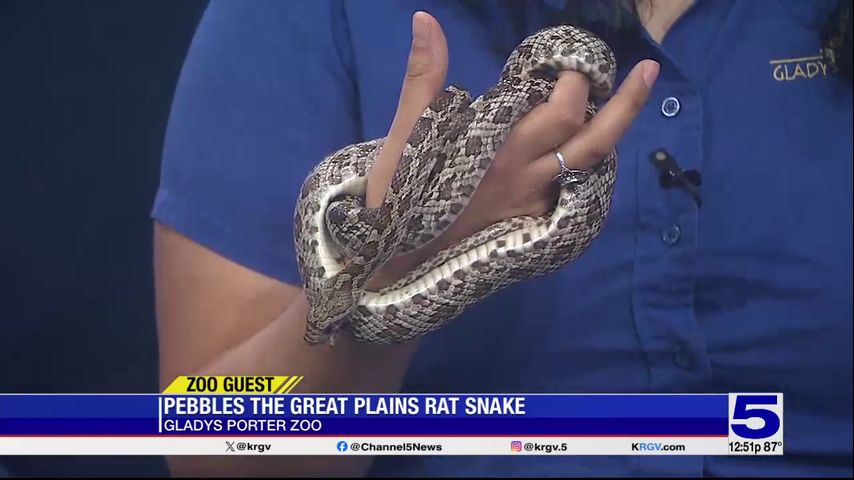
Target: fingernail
420 31
649 72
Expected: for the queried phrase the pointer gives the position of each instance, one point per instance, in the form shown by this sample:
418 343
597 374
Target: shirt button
670 107
671 234
683 359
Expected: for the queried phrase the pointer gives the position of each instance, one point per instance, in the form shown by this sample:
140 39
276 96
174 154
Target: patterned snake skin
341 243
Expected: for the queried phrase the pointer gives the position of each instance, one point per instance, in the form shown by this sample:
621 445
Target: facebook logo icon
342 446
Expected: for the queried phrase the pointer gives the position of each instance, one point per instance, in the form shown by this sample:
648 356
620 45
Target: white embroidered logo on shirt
789 69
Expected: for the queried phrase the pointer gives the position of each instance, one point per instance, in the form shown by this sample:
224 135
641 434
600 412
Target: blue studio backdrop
86 88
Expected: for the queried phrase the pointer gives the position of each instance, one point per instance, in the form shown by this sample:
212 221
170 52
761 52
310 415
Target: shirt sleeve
265 93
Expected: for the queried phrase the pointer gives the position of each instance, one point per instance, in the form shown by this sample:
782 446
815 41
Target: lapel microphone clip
672 175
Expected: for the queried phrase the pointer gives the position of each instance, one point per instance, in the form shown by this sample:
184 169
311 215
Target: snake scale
341 243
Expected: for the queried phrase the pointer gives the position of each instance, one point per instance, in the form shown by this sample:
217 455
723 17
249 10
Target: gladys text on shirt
801 68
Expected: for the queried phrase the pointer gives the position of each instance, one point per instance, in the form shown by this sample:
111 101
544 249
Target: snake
341 243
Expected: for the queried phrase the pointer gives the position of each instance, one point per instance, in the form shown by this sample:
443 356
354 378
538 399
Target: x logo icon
229 446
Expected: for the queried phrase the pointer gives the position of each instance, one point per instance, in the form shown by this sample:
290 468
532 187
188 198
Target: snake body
341 243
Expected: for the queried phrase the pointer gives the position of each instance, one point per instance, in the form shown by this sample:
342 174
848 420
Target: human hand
520 180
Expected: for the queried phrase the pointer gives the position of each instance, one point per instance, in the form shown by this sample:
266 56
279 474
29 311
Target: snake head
329 311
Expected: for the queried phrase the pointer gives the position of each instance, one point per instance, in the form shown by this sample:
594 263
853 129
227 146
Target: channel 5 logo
515 446
756 416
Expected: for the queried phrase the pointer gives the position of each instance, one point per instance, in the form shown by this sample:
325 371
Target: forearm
279 349
216 317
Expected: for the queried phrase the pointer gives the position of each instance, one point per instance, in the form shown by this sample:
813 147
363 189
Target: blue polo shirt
750 292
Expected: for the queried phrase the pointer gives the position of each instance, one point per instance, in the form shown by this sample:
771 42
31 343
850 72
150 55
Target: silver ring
569 176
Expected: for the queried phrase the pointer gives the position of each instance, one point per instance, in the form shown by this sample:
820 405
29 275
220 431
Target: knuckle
417 67
598 149
506 163
502 168
634 104
593 147
569 121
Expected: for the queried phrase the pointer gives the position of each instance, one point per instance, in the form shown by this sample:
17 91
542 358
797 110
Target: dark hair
836 38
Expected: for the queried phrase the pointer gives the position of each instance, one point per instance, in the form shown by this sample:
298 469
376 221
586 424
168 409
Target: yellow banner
233 384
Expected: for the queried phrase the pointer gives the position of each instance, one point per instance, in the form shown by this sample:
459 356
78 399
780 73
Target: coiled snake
340 243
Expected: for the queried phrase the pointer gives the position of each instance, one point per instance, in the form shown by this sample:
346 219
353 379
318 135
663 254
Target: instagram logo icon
516 446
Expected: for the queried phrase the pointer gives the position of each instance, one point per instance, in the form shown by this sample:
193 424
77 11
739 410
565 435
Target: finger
425 73
426 69
552 123
597 138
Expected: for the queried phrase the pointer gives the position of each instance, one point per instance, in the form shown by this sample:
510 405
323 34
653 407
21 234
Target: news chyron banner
261 416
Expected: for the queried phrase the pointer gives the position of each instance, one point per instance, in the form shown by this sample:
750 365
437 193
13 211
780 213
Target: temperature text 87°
756 448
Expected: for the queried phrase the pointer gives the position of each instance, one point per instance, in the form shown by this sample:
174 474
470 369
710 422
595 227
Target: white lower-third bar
238 445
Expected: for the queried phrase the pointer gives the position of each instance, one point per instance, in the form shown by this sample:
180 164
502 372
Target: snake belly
341 243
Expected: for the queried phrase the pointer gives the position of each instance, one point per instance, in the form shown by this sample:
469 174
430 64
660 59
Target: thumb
428 56
426 69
